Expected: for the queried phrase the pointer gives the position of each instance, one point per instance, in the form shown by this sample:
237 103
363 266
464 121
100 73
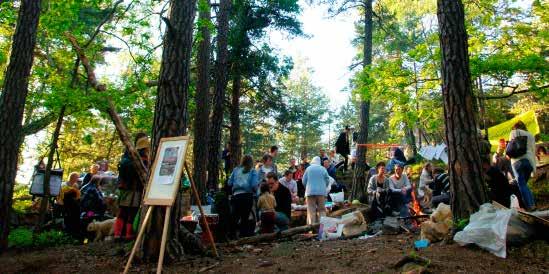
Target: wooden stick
139 236
208 231
164 238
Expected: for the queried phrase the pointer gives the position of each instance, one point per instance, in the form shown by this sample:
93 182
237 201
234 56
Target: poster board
166 171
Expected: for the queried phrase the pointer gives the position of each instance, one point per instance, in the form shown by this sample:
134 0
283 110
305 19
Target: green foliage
20 238
21 199
24 238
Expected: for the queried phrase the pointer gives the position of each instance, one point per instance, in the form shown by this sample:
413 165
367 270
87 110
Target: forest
82 81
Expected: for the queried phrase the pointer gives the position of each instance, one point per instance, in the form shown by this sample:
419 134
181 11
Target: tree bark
47 175
219 94
467 187
202 112
359 178
235 140
12 105
170 116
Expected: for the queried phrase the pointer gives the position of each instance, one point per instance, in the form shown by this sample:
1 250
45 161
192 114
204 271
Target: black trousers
242 207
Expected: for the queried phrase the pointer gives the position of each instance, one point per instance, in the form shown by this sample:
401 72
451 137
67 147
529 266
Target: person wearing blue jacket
315 180
243 182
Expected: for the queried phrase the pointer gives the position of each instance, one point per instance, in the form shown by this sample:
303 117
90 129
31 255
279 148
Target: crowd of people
262 193
391 188
82 201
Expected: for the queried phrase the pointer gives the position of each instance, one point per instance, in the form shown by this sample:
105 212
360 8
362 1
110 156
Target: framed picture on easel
166 171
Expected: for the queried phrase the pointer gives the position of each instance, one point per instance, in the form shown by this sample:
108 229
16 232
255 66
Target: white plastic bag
337 197
487 228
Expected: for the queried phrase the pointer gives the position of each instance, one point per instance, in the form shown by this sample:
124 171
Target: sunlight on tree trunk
12 104
467 187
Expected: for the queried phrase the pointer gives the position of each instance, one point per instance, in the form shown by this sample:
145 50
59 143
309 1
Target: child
266 205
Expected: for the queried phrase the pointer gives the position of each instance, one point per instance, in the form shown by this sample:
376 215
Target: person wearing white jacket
315 180
524 165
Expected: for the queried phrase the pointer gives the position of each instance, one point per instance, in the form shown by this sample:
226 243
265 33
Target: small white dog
102 229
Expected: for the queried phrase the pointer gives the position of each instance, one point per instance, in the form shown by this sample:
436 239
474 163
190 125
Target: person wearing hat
130 189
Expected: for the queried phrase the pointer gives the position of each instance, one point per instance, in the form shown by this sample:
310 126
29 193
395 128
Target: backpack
517 147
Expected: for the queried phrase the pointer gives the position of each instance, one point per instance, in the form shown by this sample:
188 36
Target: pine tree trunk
359 178
202 112
12 105
467 187
170 116
219 94
235 144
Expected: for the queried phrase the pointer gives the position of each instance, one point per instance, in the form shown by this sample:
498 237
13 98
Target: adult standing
267 167
130 189
342 146
315 180
243 182
283 197
523 165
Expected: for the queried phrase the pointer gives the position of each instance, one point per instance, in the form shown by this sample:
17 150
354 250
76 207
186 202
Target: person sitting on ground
501 162
243 181
94 170
400 189
330 168
315 180
524 165
266 205
283 197
69 199
484 146
92 202
289 183
440 187
267 167
378 189
298 177
69 186
423 190
342 146
499 189
398 158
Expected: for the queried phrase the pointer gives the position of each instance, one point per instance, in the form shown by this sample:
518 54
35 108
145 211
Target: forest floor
378 254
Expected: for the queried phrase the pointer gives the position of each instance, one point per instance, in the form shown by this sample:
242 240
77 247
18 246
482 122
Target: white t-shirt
290 185
531 147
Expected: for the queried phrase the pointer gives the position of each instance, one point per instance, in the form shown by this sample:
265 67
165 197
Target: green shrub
52 238
24 238
20 238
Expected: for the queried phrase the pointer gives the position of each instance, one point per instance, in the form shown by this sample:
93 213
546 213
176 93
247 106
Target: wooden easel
166 226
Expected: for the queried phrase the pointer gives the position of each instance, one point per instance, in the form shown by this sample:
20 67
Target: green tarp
503 130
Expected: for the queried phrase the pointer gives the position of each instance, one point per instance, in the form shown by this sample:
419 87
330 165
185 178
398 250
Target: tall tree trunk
359 178
411 137
202 113
170 115
235 144
219 94
467 187
47 175
12 105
